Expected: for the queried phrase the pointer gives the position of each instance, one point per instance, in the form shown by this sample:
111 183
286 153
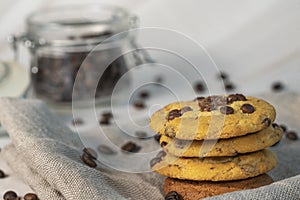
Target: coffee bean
267 122
235 97
223 75
284 128
31 196
185 109
144 94
154 161
139 104
141 134
229 86
199 86
291 135
247 108
107 114
226 110
104 120
174 114
277 86
77 122
2 174
91 152
131 147
173 196
163 144
106 149
88 160
10 195
161 154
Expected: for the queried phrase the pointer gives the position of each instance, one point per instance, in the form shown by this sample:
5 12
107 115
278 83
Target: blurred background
256 42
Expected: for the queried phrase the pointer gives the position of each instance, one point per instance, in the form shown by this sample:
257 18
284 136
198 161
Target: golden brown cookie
215 168
213 117
191 190
223 147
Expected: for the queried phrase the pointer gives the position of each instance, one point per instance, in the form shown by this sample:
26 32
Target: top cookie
213 117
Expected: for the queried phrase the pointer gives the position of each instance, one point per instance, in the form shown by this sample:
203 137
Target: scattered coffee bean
267 122
10 195
107 114
173 196
173 114
154 161
144 94
139 104
106 149
229 86
163 144
88 160
77 122
104 120
185 109
2 174
284 128
157 137
291 135
226 110
223 75
199 86
131 147
235 97
31 196
91 152
277 86
141 134
247 108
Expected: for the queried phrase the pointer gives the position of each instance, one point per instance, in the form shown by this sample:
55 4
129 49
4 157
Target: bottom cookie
192 190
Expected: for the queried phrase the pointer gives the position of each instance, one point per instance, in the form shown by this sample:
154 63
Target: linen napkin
46 155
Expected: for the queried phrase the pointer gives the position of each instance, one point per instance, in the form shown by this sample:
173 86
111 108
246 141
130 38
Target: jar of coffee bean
77 52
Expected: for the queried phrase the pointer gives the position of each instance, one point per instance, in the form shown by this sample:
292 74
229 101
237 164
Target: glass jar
61 40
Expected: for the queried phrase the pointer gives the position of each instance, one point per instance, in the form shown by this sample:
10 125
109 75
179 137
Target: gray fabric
46 155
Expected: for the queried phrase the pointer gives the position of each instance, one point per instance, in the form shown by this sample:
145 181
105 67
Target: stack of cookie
215 144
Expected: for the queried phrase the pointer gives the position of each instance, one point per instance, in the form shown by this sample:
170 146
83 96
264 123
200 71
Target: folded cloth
46 155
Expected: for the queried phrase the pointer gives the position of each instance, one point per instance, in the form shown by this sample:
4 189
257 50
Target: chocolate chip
154 161
131 147
185 109
226 110
104 121
229 86
284 128
157 137
173 196
199 98
2 174
161 154
88 160
77 122
10 195
163 144
277 86
247 108
235 97
291 135
144 94
91 152
106 149
31 196
223 75
141 134
139 104
173 114
267 122
199 86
